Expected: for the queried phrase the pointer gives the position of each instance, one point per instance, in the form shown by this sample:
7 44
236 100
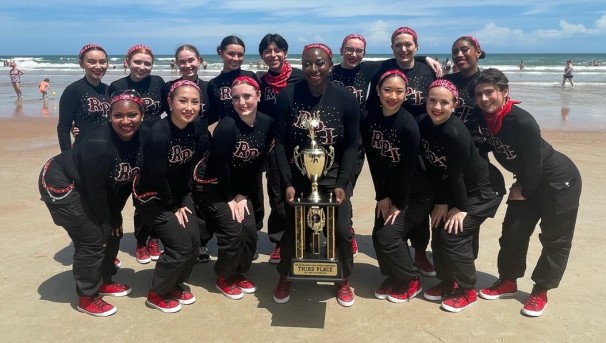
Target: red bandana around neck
495 121
278 82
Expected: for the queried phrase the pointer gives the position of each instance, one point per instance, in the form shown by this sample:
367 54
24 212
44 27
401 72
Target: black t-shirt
150 89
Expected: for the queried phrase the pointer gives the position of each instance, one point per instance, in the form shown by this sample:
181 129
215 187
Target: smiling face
489 98
233 57
245 98
404 49
353 52
440 105
184 105
140 65
189 63
316 67
392 92
94 63
465 55
126 118
274 57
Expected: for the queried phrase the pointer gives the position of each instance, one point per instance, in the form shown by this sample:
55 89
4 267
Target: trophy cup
314 214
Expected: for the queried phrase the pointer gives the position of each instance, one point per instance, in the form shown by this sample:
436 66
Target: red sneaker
245 284
141 254
162 303
386 287
354 243
405 292
114 289
153 247
460 299
282 291
425 267
345 296
536 303
274 257
229 288
95 306
440 291
182 295
500 289
117 263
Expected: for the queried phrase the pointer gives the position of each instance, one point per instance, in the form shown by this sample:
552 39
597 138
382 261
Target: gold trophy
314 213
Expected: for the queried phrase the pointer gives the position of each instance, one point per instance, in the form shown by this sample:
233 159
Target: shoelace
533 300
344 289
283 285
99 303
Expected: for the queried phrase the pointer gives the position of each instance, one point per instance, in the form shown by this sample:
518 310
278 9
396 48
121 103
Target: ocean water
538 86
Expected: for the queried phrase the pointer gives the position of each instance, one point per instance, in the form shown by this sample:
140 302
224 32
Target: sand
38 298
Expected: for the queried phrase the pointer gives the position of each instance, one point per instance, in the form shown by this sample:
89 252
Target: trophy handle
297 159
330 158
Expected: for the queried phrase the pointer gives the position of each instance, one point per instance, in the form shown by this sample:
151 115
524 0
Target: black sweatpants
276 222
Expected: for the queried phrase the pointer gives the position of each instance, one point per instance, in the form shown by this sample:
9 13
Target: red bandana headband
127 96
248 80
404 29
354 36
319 46
475 42
446 84
182 83
136 47
88 47
393 72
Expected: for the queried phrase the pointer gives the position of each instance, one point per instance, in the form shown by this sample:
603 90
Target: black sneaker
203 255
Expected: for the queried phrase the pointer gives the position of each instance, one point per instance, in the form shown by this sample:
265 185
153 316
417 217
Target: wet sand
38 296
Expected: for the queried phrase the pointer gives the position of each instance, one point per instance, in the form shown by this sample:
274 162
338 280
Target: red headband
393 72
319 46
127 96
475 41
354 36
182 83
138 46
248 80
446 84
88 47
405 30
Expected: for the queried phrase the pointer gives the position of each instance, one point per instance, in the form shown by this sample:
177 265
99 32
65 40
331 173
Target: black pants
94 248
141 231
206 230
393 255
181 244
343 238
237 242
556 235
419 208
357 170
276 222
258 202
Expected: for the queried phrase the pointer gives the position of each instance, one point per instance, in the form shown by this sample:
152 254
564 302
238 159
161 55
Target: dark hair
269 38
492 76
186 47
230 40
471 40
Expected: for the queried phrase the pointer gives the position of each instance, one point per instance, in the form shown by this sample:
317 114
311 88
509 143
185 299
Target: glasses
350 51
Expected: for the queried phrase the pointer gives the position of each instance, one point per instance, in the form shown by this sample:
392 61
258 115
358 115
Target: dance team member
464 197
239 146
188 60
339 127
84 103
140 60
85 190
15 75
391 141
163 194
547 188
273 50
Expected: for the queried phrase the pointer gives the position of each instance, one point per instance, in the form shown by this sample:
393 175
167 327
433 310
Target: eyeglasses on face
350 50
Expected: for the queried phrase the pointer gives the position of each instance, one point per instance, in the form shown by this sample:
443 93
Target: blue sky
514 26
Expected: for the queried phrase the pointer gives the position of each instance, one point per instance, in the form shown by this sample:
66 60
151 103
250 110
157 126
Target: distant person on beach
173 65
140 59
85 190
568 73
521 65
125 66
15 76
44 87
546 190
447 66
204 64
84 103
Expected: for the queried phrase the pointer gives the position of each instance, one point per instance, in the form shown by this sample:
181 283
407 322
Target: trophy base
311 269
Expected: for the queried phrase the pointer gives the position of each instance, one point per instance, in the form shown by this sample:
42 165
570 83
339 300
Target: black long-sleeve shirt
170 154
392 146
339 127
453 161
219 94
150 89
101 167
85 106
357 79
267 103
237 153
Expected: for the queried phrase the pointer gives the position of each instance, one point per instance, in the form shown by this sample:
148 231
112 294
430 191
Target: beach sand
38 298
